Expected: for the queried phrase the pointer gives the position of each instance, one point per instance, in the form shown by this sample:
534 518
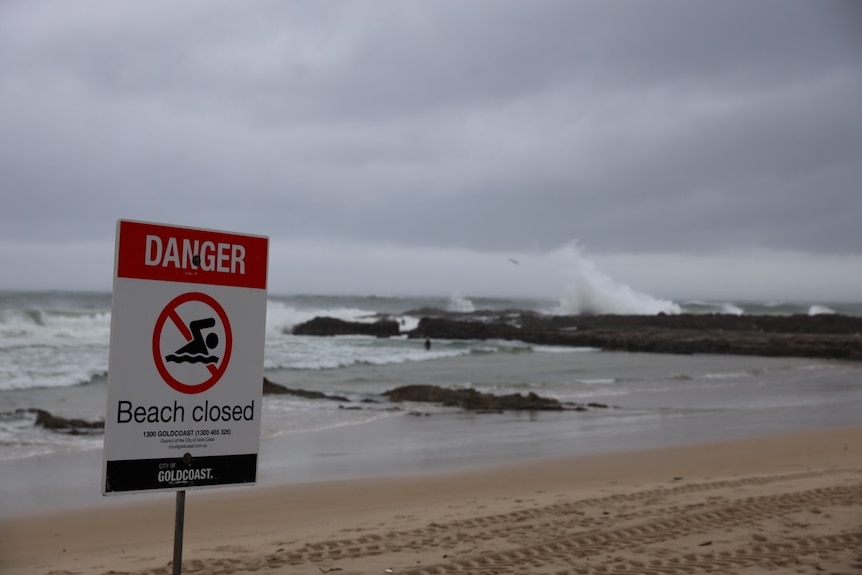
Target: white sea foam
284 414
308 352
726 375
40 348
598 381
21 438
408 323
731 308
459 303
820 310
281 317
28 327
591 291
562 349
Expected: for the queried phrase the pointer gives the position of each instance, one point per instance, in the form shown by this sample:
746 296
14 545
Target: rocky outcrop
835 346
445 328
831 336
272 388
77 426
825 336
70 425
473 400
328 326
468 399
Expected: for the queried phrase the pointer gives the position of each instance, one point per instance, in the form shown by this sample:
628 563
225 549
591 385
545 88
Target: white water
42 349
820 310
591 291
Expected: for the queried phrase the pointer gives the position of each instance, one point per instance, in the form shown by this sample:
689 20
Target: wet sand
788 503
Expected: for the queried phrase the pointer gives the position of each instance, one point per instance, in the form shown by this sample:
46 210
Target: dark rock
272 388
473 400
328 326
532 321
832 336
70 425
443 328
823 336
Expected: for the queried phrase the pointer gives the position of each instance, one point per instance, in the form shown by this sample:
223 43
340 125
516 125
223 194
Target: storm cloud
439 138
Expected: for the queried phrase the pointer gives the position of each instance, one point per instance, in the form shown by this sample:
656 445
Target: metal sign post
179 525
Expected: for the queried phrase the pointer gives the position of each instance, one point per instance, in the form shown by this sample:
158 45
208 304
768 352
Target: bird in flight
514 261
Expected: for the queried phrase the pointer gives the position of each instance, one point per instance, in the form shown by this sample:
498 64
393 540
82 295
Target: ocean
54 356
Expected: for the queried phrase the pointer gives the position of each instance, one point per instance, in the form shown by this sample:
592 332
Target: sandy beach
786 504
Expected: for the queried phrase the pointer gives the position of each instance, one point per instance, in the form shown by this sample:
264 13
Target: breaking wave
591 291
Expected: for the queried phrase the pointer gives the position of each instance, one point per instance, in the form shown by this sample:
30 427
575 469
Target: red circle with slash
212 373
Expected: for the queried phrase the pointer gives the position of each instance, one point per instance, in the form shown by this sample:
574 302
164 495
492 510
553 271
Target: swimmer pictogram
196 350
192 343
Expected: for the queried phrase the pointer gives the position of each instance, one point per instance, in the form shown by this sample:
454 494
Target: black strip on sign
180 473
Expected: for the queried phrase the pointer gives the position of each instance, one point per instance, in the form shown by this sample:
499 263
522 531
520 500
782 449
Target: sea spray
820 310
281 317
591 291
459 303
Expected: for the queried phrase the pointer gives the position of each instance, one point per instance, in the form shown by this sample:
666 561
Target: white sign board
185 372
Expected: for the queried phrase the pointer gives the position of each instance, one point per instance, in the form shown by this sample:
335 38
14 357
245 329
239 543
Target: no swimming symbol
197 349
192 343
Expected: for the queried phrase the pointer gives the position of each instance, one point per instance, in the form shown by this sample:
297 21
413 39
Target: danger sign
186 361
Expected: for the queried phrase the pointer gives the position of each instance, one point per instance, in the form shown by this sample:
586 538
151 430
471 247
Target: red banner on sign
166 253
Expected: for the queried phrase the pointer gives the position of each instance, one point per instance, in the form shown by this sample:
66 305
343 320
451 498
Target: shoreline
399 444
803 486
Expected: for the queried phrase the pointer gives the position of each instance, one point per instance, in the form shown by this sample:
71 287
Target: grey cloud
634 126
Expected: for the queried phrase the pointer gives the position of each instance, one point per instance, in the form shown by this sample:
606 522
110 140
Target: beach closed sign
185 371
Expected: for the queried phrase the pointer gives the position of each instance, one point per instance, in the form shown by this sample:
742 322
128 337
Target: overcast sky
685 149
